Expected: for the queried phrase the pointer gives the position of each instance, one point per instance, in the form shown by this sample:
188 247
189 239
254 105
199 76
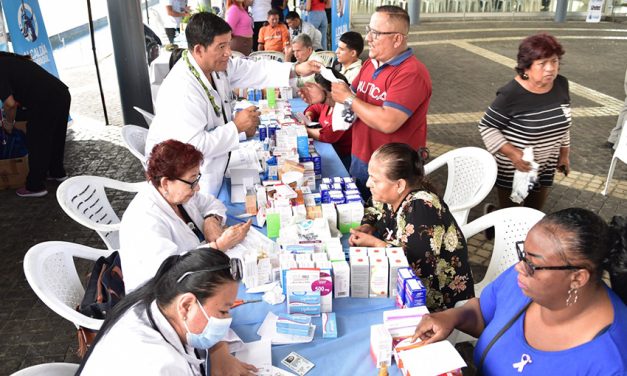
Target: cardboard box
13 172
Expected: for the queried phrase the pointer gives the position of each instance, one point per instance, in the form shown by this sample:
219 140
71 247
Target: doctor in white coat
167 217
171 324
195 101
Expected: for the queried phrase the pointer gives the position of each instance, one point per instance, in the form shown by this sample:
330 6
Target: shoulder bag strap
499 335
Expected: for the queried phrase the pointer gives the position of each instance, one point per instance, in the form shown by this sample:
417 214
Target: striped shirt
525 119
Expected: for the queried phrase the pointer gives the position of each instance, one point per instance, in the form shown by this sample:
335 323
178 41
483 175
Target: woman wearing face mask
167 326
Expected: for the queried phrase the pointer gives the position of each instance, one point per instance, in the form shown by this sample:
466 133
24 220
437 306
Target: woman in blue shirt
551 313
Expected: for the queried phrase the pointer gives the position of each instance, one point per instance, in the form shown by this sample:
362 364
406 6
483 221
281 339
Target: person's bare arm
438 326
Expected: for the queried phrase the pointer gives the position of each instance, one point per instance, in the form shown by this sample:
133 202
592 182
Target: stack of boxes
410 290
374 271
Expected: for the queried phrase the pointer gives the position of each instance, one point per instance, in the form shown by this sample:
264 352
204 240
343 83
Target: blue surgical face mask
213 333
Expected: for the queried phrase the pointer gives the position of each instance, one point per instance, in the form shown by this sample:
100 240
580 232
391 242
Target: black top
30 84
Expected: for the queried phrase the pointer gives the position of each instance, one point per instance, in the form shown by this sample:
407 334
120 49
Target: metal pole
413 8
147 15
129 50
93 49
560 11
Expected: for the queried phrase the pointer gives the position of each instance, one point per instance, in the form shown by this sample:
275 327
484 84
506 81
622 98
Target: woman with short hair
168 326
406 212
167 217
532 110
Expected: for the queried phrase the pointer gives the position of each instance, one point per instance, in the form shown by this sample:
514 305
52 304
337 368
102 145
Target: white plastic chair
510 225
619 153
327 57
84 199
272 55
237 54
471 176
134 138
49 369
147 115
51 273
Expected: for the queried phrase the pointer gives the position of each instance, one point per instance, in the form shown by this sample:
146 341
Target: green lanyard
192 69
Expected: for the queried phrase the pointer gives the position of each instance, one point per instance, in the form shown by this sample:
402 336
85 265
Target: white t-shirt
260 10
177 6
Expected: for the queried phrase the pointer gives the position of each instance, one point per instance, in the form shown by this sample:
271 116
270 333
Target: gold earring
572 296
525 76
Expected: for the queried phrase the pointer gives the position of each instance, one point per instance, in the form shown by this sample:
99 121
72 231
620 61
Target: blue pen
243 221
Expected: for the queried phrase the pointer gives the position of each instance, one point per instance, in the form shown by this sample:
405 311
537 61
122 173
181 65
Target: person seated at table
322 112
302 50
168 326
167 217
195 102
274 36
406 212
551 313
350 46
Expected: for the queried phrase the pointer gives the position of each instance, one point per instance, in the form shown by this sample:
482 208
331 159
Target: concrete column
560 11
413 8
129 50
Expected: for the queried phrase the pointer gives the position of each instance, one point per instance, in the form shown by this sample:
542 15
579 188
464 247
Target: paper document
432 360
262 288
259 354
267 330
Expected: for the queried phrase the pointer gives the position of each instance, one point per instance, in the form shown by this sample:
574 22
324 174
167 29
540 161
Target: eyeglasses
376 34
531 268
235 266
192 184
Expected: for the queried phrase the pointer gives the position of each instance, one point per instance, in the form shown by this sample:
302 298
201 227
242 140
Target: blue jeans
359 171
318 18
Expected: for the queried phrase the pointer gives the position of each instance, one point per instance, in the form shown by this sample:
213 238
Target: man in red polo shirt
390 95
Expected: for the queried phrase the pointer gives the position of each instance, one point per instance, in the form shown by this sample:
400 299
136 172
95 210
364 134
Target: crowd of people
552 308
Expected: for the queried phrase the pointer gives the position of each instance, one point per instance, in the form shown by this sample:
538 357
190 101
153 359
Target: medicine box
392 252
396 262
380 346
325 286
293 324
341 279
376 251
401 323
360 277
378 276
403 275
415 293
329 325
357 251
304 303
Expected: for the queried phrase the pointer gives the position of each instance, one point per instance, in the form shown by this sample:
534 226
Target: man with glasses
390 95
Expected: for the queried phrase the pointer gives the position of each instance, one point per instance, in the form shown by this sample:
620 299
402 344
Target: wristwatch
213 216
348 102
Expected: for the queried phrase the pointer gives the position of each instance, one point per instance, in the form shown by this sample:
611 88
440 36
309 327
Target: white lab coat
151 231
133 347
184 112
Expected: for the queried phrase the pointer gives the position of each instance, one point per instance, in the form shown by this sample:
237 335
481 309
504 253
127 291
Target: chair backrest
49 369
327 57
147 115
510 225
134 138
237 54
621 146
471 176
272 55
85 200
51 273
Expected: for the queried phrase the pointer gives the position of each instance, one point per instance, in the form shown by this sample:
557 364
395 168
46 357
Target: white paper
338 123
262 288
238 193
258 353
328 75
233 340
267 330
432 360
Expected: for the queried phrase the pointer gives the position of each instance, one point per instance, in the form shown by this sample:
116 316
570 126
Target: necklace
217 109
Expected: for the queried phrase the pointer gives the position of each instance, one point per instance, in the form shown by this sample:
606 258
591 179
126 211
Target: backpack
104 289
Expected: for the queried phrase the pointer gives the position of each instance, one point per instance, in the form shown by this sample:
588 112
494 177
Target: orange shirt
274 39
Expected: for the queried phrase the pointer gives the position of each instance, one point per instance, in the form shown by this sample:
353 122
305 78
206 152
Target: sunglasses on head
235 266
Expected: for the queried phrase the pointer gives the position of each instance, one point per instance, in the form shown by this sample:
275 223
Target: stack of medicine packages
342 193
311 277
374 271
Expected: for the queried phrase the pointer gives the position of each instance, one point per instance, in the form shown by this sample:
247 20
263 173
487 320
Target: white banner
3 33
595 11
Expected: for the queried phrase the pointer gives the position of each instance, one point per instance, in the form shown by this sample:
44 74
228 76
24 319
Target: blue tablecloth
349 353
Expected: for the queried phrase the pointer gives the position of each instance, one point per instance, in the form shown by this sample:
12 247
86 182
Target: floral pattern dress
433 242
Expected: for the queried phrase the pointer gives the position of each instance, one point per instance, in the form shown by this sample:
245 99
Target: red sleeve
315 109
412 86
329 136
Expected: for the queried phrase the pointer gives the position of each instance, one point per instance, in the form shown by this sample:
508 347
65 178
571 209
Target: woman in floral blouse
405 212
